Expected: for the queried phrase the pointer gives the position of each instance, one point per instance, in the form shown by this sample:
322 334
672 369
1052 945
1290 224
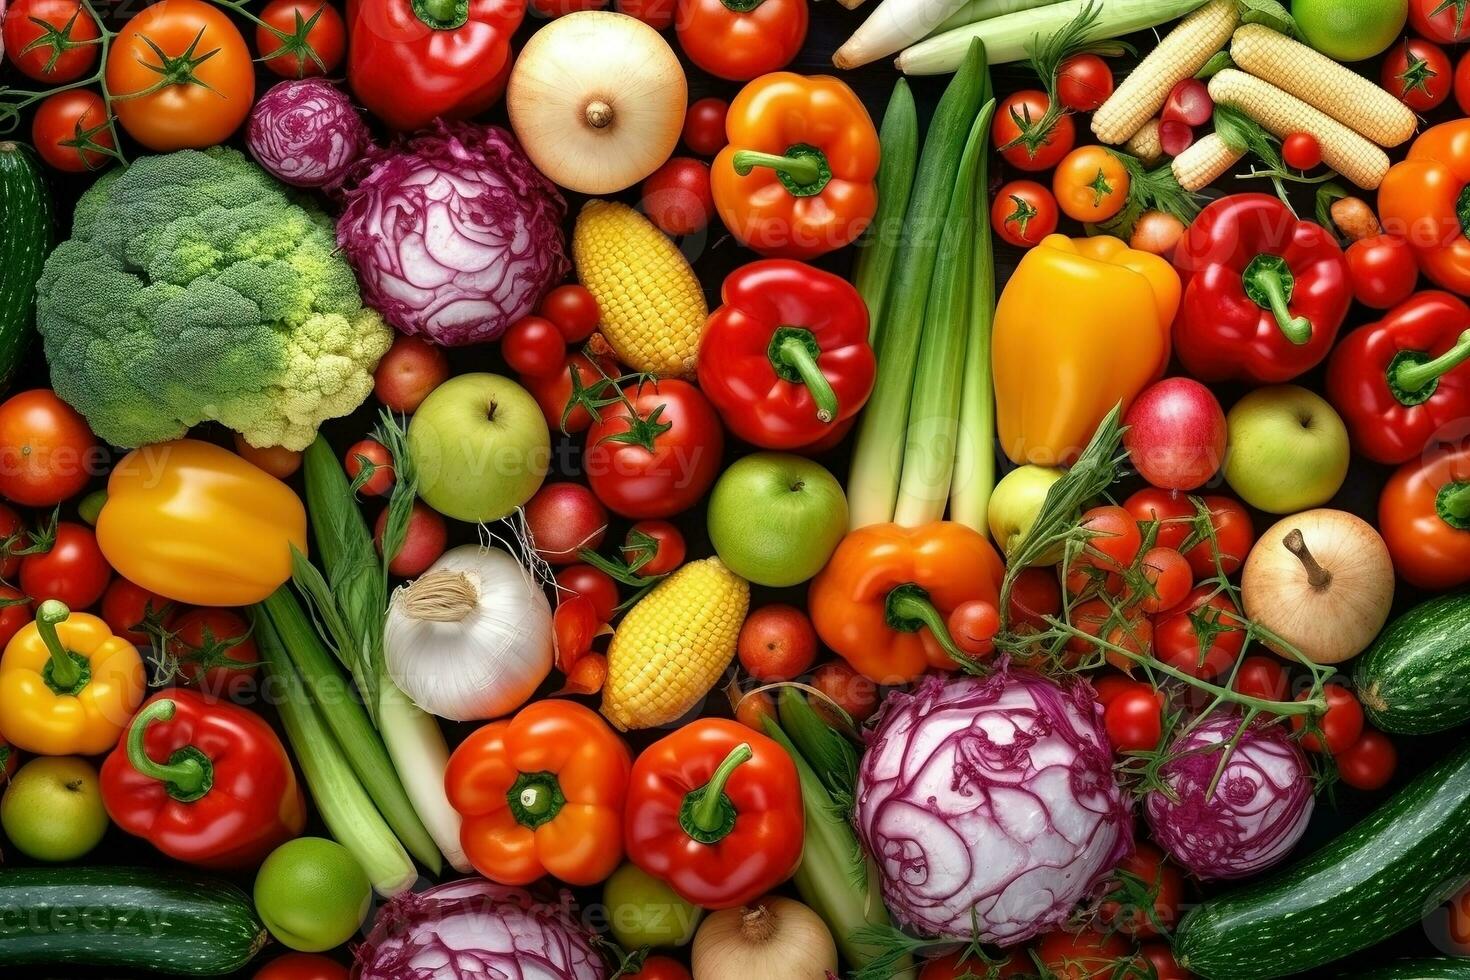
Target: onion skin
773 939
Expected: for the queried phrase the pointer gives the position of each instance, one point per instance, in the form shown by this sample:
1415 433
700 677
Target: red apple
563 519
1176 434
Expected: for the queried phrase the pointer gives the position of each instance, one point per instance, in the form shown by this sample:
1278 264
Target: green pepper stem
1269 282
795 351
708 812
441 10
1455 501
64 671
185 776
802 170
1413 377
909 606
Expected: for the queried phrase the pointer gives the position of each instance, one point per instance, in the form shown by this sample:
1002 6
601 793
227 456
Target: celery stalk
899 139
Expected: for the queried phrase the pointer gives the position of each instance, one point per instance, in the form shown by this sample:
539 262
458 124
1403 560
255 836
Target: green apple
312 894
644 911
481 447
775 518
52 810
1016 500
1288 449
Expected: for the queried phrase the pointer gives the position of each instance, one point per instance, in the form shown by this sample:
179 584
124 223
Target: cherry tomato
1383 269
1462 84
70 131
854 693
52 41
1035 594
1111 548
1369 762
574 311
1133 633
1109 686
1135 720
777 643
704 126
301 38
973 625
957 966
1172 511
534 346
46 449
15 612
73 569
671 460
1169 574
422 544
1301 151
595 584
1085 955
1161 958
677 196
1017 119
657 14
302 966
411 369
554 392
1234 535
1024 213
1084 82
1418 74
662 539
661 968
753 708
365 454
278 461
1263 677
12 539
1201 619
215 651
1340 726
126 606
1090 184
1441 21
1146 894
564 518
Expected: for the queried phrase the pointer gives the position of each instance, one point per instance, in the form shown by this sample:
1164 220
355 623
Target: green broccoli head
194 288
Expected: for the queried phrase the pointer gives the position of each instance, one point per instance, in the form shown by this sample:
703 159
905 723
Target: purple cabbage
306 133
994 798
1257 813
454 234
473 929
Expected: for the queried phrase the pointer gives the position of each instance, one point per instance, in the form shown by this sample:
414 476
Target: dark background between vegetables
714 254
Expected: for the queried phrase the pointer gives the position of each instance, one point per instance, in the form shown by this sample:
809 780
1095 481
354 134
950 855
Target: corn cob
1145 143
672 647
1206 160
1181 53
653 308
1322 83
1351 155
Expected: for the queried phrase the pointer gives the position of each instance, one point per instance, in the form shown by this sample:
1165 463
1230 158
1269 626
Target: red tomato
574 311
302 966
1146 894
751 709
564 518
62 47
777 643
70 131
46 450
411 369
1369 762
1035 594
1441 21
534 347
1234 535
15 612
1340 726
371 455
677 196
1086 955
1417 73
1024 213
422 544
1462 84
1110 686
973 625
554 392
12 539
661 968
1135 720
656 547
704 126
1166 570
1263 677
278 461
854 693
1084 82
1017 118
1383 270
957 966
126 606
657 14
1132 632
1302 151
301 38
1112 546
595 584
1161 958
1200 620
214 651
1172 511
72 569
672 459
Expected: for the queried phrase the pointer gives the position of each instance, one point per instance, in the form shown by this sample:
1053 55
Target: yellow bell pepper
198 524
1082 325
67 685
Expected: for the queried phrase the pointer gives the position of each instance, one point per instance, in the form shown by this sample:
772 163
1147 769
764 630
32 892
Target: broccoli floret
194 288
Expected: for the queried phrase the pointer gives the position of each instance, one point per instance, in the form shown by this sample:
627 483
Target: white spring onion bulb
470 638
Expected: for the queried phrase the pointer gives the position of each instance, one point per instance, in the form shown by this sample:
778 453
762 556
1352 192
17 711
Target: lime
644 911
1350 30
312 894
53 809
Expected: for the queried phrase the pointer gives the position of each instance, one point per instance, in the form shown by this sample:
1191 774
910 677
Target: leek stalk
892 27
977 10
899 139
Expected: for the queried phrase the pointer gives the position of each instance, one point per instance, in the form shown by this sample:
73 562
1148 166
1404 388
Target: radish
1189 102
1175 137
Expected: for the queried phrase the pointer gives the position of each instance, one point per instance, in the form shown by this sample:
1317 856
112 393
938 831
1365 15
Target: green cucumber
26 216
1441 968
138 918
1415 679
1378 878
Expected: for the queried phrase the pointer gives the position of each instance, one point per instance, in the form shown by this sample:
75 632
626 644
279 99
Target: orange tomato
1090 184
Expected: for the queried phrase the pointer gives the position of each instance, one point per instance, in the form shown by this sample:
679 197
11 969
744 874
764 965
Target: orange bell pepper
542 793
883 599
797 178
1425 199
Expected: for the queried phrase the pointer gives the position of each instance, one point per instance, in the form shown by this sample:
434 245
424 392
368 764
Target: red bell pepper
787 354
1263 292
412 61
715 810
1399 381
204 781
1424 514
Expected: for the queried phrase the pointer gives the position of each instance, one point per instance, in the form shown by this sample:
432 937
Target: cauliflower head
196 288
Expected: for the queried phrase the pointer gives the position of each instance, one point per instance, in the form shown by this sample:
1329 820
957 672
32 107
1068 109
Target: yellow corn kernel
672 647
1206 160
652 305
1145 143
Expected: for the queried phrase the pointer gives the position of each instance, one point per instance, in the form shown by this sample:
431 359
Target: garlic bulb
471 637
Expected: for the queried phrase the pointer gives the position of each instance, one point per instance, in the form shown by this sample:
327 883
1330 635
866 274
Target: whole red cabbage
454 234
1257 813
306 132
476 930
990 805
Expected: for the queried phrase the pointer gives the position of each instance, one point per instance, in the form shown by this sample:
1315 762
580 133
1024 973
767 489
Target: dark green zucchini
1440 968
26 217
1378 878
1415 679
138 918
